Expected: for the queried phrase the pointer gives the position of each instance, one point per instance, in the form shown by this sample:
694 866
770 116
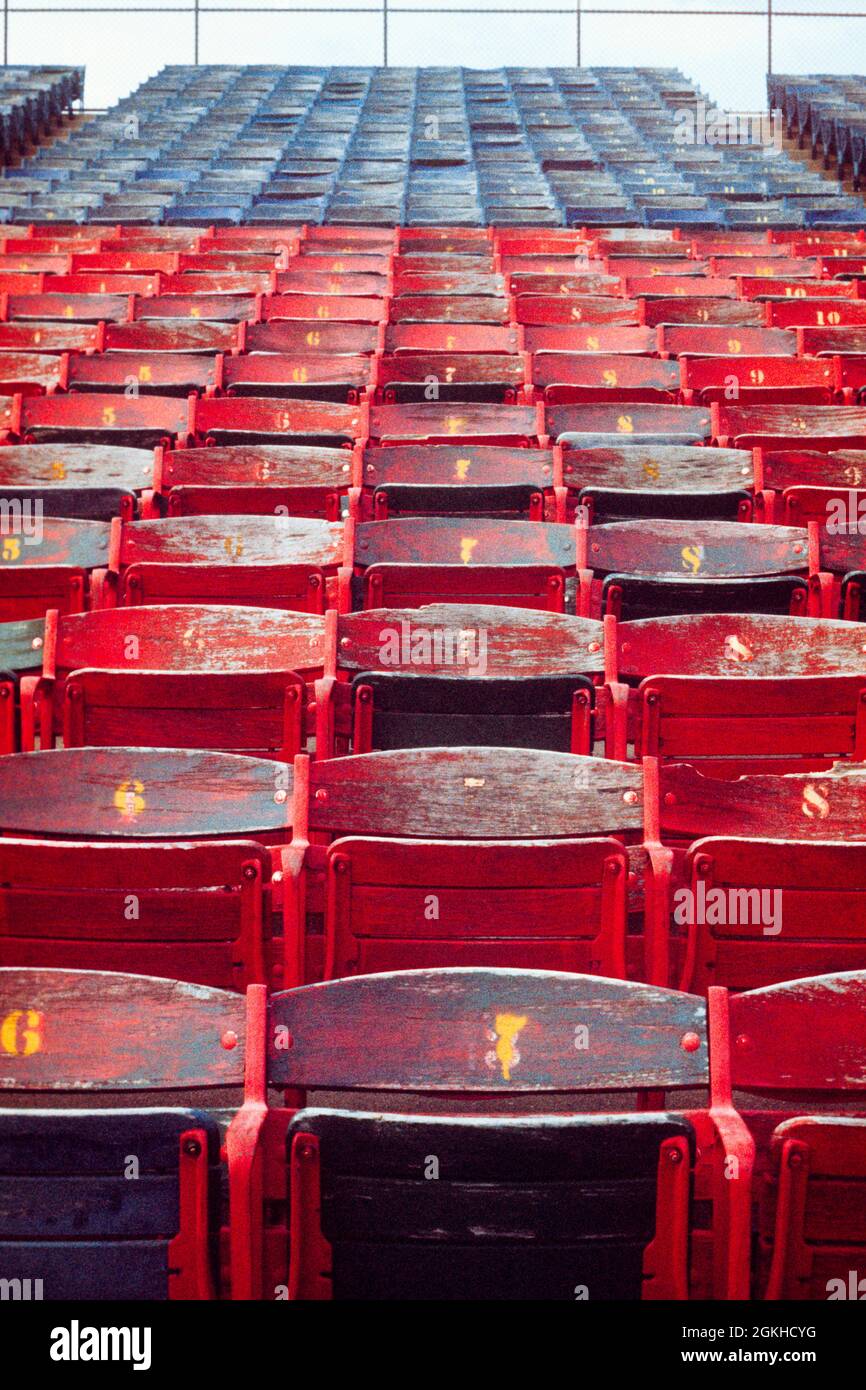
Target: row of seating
34 101
827 113
349 1203
389 822
383 146
222 869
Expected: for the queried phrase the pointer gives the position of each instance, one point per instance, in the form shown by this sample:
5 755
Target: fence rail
384 12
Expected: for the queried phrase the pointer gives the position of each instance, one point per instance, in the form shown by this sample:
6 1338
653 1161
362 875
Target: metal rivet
192 1148
629 798
229 1040
280 797
690 1042
321 794
250 871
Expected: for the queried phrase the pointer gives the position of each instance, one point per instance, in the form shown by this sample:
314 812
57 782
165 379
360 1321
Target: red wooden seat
153 373
461 376
587 426
735 312
259 419
73 308
788 427
473 480
737 692
725 340
566 377
306 336
323 308
30 373
314 376
445 423
759 379
272 562
602 337
102 418
408 561
444 337
658 480
50 337
574 309
214 308
257 479
50 570
181 335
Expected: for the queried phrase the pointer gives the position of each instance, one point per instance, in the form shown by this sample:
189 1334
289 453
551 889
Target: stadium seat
407 561
774 380
251 479
153 1238
640 1253
190 911
49 566
736 693
810 1235
144 794
267 419
658 480
270 562
642 569
457 674
471 480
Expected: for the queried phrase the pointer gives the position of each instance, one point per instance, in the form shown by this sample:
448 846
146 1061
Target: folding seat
47 564
116 284
434 423
428 1041
450 308
777 427
50 337
665 567
657 480
782 288
74 308
590 426
225 684
323 264
841 562
322 308
474 338
572 309
801 312
701 340
826 342
766 267
679 287
102 418
149 794
351 284
254 479
458 674
76 471
477 480
215 308
810 1204
407 561
264 419
30 373
736 692
566 282
272 562
575 377
156 373
475 283
313 376
454 841
460 376
796 486
652 312
305 336
217 281
156 1237
164 336
776 380
565 338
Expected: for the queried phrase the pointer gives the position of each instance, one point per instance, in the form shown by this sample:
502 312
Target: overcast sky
725 53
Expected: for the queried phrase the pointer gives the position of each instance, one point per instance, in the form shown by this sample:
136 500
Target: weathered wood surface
805 1035
801 806
516 642
257 465
75 465
699 550
464 540
740 645
61 542
450 421
659 468
142 793
627 419
842 468
486 1030
183 637
21 645
70 1030
478 793
233 540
